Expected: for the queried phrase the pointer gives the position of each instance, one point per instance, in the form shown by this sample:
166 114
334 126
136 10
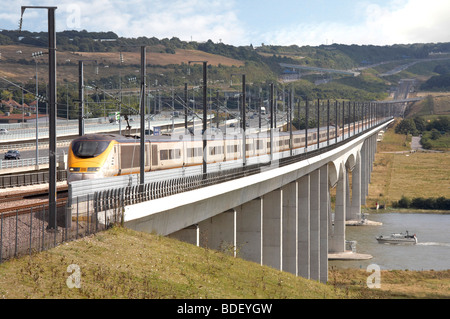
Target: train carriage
102 155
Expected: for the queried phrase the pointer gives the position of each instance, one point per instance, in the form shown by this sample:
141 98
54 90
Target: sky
245 22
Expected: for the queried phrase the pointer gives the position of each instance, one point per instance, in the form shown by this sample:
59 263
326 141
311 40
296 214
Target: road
415 143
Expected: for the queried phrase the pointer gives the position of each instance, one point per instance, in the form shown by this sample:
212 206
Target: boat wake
433 244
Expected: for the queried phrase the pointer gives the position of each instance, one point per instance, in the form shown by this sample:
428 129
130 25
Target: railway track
21 202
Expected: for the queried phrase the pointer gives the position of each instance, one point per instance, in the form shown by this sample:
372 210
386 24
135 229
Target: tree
420 123
406 126
435 134
6 95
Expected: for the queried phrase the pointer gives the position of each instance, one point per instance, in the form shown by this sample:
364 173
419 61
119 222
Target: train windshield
87 149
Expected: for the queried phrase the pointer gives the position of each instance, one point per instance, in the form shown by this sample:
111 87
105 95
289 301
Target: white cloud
377 22
201 20
411 21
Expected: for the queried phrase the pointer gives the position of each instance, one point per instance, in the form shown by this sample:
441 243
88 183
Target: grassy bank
122 263
394 284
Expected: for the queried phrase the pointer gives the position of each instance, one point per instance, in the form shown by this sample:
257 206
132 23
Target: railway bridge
277 214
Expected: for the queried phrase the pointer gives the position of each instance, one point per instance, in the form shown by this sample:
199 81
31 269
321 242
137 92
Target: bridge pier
304 210
337 238
290 227
355 210
314 225
219 232
364 171
325 213
249 230
272 229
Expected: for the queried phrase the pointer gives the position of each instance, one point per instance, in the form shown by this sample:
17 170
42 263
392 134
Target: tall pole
261 104
343 120
142 110
217 109
348 124
318 123
244 140
328 122
290 106
354 118
205 150
271 121
336 123
52 223
306 123
185 108
35 55
37 117
81 98
205 90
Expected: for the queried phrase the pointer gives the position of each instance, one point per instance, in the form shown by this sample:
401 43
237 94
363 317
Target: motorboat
398 238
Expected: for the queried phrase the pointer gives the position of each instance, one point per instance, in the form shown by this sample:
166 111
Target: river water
431 252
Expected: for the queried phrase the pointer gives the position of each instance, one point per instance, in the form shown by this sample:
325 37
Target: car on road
12 154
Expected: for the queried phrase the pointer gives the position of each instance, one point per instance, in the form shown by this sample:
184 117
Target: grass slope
125 264
122 263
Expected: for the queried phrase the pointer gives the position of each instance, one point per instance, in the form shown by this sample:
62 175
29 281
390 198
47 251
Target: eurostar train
104 155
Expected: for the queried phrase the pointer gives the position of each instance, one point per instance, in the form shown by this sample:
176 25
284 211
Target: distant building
10 105
18 118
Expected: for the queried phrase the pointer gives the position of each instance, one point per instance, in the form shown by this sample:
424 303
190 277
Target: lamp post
35 55
142 110
81 96
243 124
205 151
52 222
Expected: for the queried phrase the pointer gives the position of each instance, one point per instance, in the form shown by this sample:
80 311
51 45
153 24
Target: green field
398 172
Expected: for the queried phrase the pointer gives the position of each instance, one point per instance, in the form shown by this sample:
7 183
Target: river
431 252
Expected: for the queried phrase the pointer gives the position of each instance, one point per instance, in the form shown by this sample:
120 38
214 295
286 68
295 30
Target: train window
194 152
248 147
154 154
169 154
175 153
164 155
232 148
216 150
259 144
86 149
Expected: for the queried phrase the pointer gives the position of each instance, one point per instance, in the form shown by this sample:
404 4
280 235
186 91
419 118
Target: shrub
404 202
440 203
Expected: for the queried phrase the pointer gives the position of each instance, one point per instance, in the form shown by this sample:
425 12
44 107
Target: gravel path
415 143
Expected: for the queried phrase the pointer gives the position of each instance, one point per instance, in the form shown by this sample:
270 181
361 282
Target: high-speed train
104 155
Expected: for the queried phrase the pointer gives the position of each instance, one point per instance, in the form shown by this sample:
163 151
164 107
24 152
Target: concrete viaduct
280 217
